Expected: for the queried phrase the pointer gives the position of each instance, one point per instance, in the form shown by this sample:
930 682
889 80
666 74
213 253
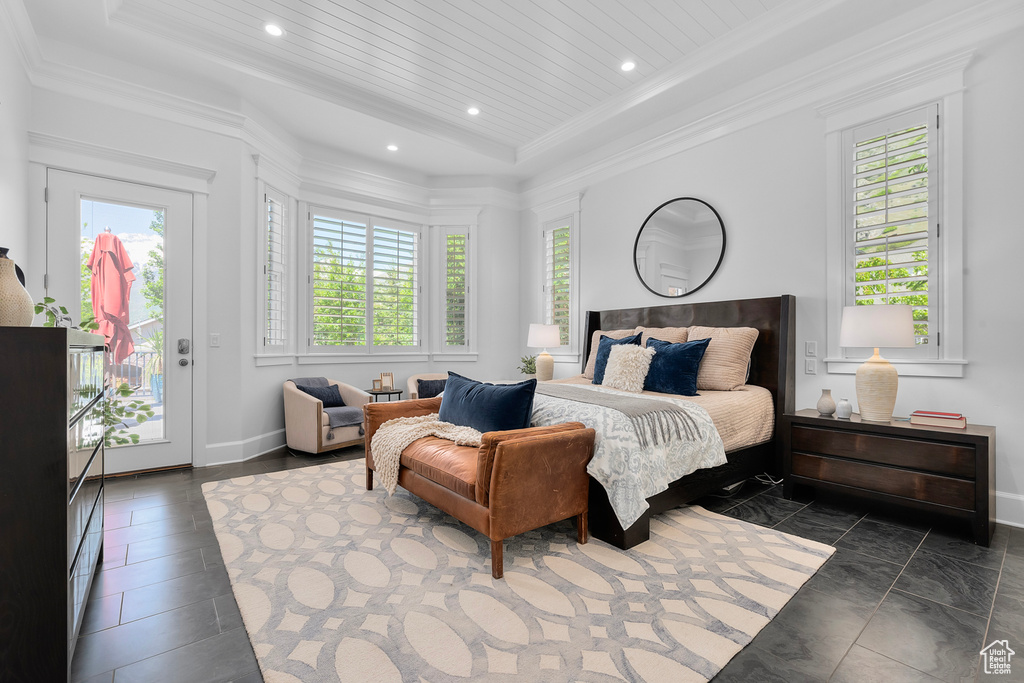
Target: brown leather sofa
516 481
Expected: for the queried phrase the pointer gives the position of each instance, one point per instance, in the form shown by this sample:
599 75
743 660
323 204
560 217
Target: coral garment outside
112 279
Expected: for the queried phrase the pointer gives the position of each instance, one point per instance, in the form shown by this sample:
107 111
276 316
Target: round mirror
679 247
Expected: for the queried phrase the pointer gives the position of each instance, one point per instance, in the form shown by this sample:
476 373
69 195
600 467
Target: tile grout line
867 622
992 608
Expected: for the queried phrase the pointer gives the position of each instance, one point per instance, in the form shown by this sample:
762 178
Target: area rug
336 583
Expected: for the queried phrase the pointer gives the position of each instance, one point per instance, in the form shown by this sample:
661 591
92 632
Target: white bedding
630 473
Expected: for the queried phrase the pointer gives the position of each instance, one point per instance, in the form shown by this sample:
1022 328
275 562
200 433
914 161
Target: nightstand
931 469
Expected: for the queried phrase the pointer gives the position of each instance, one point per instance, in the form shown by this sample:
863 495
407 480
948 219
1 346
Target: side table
377 393
932 469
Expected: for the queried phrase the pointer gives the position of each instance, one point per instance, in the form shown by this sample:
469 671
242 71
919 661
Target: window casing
892 213
364 283
275 217
558 278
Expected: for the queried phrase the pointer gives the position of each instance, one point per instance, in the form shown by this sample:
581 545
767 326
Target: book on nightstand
935 419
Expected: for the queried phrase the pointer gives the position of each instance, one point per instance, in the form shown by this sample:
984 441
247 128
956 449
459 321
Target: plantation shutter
274 321
395 287
558 280
893 220
456 284
339 281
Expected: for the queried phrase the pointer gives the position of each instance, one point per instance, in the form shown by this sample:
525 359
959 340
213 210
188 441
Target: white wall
15 100
767 182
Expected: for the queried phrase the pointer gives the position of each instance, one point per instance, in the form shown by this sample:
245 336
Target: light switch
811 366
811 349
215 339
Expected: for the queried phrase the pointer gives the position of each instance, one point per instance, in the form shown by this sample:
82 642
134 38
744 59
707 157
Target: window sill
906 368
278 359
342 358
566 357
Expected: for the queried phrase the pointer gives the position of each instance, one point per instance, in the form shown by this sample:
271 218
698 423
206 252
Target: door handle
183 346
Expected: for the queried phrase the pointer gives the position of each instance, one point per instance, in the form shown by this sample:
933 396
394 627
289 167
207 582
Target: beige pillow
595 341
627 368
724 366
676 335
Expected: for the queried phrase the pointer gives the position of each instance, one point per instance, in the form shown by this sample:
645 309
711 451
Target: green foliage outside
153 273
560 293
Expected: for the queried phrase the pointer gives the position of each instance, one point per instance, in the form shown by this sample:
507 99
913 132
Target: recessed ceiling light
473 111
628 66
274 30
392 148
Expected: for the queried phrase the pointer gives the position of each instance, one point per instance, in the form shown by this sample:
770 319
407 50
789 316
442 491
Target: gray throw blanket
655 421
338 416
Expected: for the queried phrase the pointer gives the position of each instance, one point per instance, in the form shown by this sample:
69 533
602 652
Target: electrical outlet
215 339
811 366
811 349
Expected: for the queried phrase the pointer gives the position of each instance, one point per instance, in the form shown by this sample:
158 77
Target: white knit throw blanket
393 436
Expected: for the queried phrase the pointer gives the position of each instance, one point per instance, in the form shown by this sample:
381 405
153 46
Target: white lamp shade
543 336
877 326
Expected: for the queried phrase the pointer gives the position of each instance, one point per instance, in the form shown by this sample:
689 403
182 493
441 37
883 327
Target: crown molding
448 199
762 29
213 47
14 15
939 46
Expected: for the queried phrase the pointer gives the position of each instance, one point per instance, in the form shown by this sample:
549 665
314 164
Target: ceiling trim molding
14 15
733 44
942 44
46 141
450 199
322 87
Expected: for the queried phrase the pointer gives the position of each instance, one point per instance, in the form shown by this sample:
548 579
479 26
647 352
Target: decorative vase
16 307
826 406
843 409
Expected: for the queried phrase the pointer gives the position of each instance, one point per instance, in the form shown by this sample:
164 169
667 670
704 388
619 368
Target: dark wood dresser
51 495
933 469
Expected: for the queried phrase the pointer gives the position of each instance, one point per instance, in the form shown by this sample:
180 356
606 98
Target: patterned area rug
338 583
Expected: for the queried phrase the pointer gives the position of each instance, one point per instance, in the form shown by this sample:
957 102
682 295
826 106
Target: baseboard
1010 509
227 452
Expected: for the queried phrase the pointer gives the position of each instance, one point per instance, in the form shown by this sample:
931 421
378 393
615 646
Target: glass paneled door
121 254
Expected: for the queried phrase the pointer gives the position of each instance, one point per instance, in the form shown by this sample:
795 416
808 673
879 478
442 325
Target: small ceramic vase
826 406
16 307
843 409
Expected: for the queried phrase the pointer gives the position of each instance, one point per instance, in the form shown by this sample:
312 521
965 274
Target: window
275 226
558 278
455 306
892 219
364 282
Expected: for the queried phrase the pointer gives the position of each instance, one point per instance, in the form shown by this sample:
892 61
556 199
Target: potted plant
528 366
155 365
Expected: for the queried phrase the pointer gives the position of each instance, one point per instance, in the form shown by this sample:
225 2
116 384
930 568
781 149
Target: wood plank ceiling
529 65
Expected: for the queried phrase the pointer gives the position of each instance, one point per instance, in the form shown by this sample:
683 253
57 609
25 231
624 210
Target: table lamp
879 325
544 337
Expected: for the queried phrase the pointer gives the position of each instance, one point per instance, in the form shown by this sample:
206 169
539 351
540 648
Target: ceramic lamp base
877 381
545 366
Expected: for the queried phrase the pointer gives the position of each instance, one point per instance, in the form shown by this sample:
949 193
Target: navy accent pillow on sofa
330 395
604 348
429 388
674 366
487 407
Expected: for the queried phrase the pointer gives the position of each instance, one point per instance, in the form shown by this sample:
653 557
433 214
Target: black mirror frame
636 243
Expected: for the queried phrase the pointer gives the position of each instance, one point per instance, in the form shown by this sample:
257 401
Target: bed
747 418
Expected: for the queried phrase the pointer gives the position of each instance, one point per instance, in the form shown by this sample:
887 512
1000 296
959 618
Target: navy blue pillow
429 388
330 395
487 407
604 348
674 367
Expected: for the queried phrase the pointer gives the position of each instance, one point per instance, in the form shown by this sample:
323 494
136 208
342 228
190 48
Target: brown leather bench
516 481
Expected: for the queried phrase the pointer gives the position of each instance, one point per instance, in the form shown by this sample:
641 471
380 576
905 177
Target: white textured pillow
627 368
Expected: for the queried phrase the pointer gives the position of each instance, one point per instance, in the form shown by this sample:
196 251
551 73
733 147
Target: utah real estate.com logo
997 655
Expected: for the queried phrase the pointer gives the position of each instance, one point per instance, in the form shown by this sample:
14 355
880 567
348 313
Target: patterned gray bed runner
655 421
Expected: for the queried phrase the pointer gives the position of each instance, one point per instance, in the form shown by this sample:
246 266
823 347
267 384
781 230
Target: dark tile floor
899 601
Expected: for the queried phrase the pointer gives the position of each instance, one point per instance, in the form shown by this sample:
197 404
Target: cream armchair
414 388
306 425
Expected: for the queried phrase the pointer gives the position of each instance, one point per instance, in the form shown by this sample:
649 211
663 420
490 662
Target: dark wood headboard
773 363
